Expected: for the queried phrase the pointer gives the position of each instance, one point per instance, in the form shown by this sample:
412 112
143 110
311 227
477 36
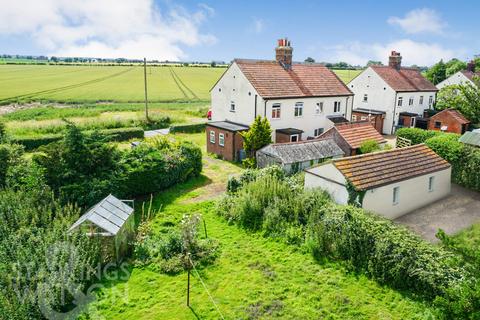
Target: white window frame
276 111
431 181
232 106
294 135
399 101
430 100
412 122
221 139
298 111
365 97
354 117
337 107
421 100
396 195
363 118
319 108
410 101
212 136
317 132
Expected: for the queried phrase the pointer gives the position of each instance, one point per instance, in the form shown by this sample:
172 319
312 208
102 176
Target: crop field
347 75
105 83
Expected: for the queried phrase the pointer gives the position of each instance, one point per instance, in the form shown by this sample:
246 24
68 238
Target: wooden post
205 228
145 81
188 289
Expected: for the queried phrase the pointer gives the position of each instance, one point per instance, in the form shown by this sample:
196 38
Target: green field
105 83
347 75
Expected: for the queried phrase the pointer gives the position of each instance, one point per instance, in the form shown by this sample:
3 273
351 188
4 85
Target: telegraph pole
145 81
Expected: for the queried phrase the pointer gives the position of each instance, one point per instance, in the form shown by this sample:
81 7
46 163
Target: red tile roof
470 74
405 79
382 168
355 133
455 114
271 80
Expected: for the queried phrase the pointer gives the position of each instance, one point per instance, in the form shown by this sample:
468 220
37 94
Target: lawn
253 278
347 75
105 83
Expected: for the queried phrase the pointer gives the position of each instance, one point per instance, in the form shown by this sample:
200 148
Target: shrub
369 146
33 142
189 128
417 135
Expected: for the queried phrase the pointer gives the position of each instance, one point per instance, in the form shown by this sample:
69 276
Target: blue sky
351 31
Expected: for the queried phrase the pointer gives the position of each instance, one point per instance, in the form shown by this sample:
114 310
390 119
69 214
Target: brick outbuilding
448 120
376 117
224 139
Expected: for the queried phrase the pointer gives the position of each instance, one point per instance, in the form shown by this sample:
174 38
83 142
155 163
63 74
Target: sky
328 31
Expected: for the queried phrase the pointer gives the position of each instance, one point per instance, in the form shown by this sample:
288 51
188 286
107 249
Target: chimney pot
471 66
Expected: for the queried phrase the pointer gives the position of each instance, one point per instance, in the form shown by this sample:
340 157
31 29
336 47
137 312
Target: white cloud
420 21
107 28
413 52
257 25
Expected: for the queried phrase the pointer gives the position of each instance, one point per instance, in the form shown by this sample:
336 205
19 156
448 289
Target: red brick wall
332 133
283 138
376 120
445 120
233 143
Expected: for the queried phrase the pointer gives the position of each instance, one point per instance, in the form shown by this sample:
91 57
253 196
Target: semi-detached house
399 95
300 100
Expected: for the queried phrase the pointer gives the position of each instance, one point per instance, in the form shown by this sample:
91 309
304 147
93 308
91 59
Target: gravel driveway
453 213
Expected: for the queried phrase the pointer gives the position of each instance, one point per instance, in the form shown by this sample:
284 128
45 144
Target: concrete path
454 213
153 133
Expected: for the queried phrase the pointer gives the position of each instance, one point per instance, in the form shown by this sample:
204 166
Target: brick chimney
283 53
395 60
471 66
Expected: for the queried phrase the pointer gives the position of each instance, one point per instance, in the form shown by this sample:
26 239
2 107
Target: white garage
390 183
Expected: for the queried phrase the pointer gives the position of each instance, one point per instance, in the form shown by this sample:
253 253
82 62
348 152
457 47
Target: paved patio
454 213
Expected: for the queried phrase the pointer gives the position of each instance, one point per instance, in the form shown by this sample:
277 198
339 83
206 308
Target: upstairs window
430 100
232 106
298 109
396 195
337 106
430 183
410 101
319 108
221 139
400 101
276 111
365 97
317 132
212 137
421 100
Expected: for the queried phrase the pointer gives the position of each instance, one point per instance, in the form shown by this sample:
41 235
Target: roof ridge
381 152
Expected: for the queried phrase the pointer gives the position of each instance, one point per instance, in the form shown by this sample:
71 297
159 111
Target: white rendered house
300 100
461 77
402 93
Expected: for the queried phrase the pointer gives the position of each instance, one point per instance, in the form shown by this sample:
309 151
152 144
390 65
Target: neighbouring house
461 77
448 120
390 183
297 156
224 139
395 90
375 117
300 100
471 138
111 220
350 136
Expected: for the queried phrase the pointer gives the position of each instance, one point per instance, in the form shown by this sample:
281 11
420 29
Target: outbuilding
111 221
448 120
297 156
224 139
390 183
471 138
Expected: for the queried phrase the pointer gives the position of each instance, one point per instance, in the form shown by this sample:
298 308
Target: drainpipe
351 113
265 109
394 111
255 106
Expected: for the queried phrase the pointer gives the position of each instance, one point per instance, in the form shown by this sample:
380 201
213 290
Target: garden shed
297 156
111 221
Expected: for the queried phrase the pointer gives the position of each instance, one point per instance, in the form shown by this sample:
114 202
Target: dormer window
232 106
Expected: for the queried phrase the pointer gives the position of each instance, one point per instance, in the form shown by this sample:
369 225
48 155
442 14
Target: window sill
232 111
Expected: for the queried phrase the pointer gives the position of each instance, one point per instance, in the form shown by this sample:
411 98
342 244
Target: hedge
117 134
417 135
189 128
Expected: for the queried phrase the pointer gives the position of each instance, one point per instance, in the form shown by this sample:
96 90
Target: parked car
209 114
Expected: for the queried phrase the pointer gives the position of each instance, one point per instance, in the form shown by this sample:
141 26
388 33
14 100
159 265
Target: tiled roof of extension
405 79
355 133
382 168
470 74
271 80
453 114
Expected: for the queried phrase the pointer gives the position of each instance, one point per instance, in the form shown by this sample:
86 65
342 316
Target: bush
189 128
369 146
417 135
33 142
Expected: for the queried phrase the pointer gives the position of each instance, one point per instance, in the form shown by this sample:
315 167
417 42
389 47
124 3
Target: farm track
180 83
73 86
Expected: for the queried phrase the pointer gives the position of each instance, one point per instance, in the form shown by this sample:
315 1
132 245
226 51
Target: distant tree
213 64
437 73
453 66
374 63
310 60
54 59
465 98
341 65
258 136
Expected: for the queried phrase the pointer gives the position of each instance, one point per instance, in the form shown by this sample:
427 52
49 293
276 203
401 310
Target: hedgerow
365 242
417 135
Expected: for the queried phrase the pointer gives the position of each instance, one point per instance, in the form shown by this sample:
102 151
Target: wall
413 194
457 78
234 86
339 141
382 97
233 143
328 178
375 119
446 120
